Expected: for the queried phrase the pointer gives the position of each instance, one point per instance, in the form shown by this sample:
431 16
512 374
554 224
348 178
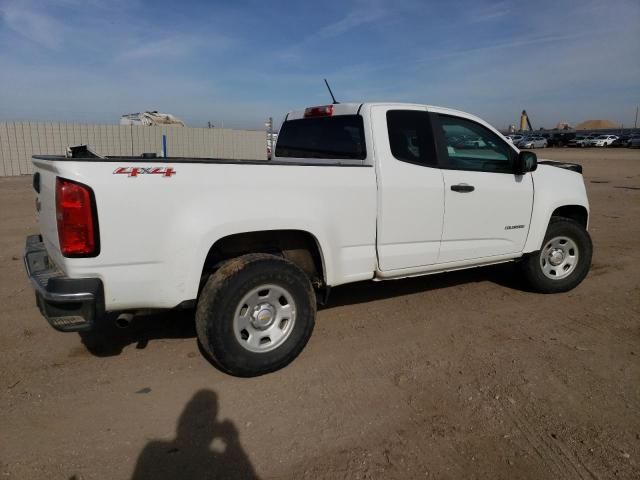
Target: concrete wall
20 140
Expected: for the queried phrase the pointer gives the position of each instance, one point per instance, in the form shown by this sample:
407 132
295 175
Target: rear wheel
255 314
564 260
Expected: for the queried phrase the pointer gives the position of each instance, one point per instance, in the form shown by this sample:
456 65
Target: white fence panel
20 140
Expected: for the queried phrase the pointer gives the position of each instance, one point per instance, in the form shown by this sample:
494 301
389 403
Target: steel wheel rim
264 318
559 258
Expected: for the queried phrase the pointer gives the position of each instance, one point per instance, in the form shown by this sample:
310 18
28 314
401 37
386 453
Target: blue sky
239 62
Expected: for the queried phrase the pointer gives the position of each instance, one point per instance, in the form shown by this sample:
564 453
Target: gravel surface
460 375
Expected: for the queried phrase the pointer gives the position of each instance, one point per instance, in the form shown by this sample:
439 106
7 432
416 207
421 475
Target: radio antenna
330 92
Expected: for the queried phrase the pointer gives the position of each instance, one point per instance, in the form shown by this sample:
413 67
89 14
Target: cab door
410 188
487 206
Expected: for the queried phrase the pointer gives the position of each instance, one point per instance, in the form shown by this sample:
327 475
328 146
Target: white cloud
364 13
151 48
354 19
481 12
32 24
511 44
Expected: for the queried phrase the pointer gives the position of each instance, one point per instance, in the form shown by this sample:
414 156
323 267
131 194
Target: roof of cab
354 108
338 109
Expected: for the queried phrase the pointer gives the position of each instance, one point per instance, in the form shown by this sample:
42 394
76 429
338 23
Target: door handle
463 188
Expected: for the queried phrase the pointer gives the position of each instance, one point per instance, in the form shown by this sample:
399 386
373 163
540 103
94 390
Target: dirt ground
461 375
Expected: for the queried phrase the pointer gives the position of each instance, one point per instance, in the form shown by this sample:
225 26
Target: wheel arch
575 212
540 221
298 246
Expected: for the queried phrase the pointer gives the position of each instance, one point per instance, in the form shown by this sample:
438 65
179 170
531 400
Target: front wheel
564 260
255 314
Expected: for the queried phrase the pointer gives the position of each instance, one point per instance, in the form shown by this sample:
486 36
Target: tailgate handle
463 188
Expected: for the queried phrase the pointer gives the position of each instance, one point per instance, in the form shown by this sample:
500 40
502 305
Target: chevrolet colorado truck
354 192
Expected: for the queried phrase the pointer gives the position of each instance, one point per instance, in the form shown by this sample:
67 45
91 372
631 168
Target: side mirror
526 161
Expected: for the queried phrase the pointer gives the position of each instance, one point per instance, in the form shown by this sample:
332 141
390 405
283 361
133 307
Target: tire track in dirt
554 454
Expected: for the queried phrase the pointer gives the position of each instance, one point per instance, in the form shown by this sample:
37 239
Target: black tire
221 297
532 268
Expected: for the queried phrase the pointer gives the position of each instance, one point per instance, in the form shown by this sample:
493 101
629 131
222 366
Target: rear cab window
411 137
336 137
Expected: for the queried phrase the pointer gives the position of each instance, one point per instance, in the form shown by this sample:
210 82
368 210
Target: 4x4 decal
135 171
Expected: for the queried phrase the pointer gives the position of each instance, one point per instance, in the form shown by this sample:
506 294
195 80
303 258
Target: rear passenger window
339 137
411 137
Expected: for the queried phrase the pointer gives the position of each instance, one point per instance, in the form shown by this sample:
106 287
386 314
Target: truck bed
158 219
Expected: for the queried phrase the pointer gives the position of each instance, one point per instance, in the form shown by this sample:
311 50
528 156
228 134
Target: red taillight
323 111
76 223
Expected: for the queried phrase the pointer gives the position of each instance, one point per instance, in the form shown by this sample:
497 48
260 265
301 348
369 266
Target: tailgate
44 184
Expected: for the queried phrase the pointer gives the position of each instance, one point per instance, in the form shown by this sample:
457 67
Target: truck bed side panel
157 230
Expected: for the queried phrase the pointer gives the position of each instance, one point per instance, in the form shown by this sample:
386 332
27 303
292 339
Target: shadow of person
203 448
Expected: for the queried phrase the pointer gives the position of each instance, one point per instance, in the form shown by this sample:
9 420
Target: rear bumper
68 304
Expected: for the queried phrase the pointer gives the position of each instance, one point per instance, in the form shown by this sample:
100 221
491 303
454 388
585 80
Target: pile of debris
152 118
596 125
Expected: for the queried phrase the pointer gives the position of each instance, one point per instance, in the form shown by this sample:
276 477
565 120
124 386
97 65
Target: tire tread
531 264
213 302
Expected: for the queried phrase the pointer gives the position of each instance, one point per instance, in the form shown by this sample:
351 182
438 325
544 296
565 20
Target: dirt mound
596 125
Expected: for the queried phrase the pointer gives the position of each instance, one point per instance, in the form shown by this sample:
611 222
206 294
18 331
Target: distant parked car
515 138
473 143
560 139
590 137
634 142
602 140
533 142
621 141
580 141
518 143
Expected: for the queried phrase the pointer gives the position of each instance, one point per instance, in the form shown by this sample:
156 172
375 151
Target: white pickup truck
354 192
